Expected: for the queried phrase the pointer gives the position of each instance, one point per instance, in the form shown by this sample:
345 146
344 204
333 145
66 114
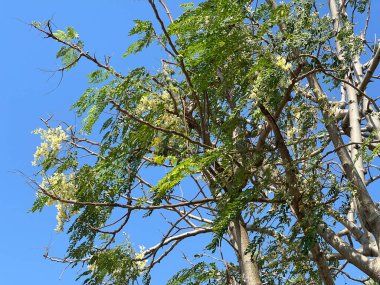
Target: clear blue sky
28 92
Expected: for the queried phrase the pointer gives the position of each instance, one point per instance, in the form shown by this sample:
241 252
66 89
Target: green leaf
39 203
144 28
174 177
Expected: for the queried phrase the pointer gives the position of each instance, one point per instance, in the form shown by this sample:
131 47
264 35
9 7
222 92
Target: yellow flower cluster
52 139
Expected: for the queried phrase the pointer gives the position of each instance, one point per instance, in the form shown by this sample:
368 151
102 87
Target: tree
261 126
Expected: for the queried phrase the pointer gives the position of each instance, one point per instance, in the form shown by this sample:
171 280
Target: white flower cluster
153 103
281 63
52 139
59 184
141 264
62 186
62 216
146 104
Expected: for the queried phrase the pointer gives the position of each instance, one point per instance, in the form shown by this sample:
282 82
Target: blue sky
29 91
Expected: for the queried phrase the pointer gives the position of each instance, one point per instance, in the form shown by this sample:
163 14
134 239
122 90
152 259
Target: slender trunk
248 267
373 120
323 269
237 230
356 156
355 130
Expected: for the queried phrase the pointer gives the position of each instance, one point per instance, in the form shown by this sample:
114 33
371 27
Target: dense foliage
260 128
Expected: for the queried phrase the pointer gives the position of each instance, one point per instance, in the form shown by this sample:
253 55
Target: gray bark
354 113
239 237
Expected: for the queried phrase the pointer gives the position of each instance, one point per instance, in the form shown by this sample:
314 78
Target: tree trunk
248 267
323 269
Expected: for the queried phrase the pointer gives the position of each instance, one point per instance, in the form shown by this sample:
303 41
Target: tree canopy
260 128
